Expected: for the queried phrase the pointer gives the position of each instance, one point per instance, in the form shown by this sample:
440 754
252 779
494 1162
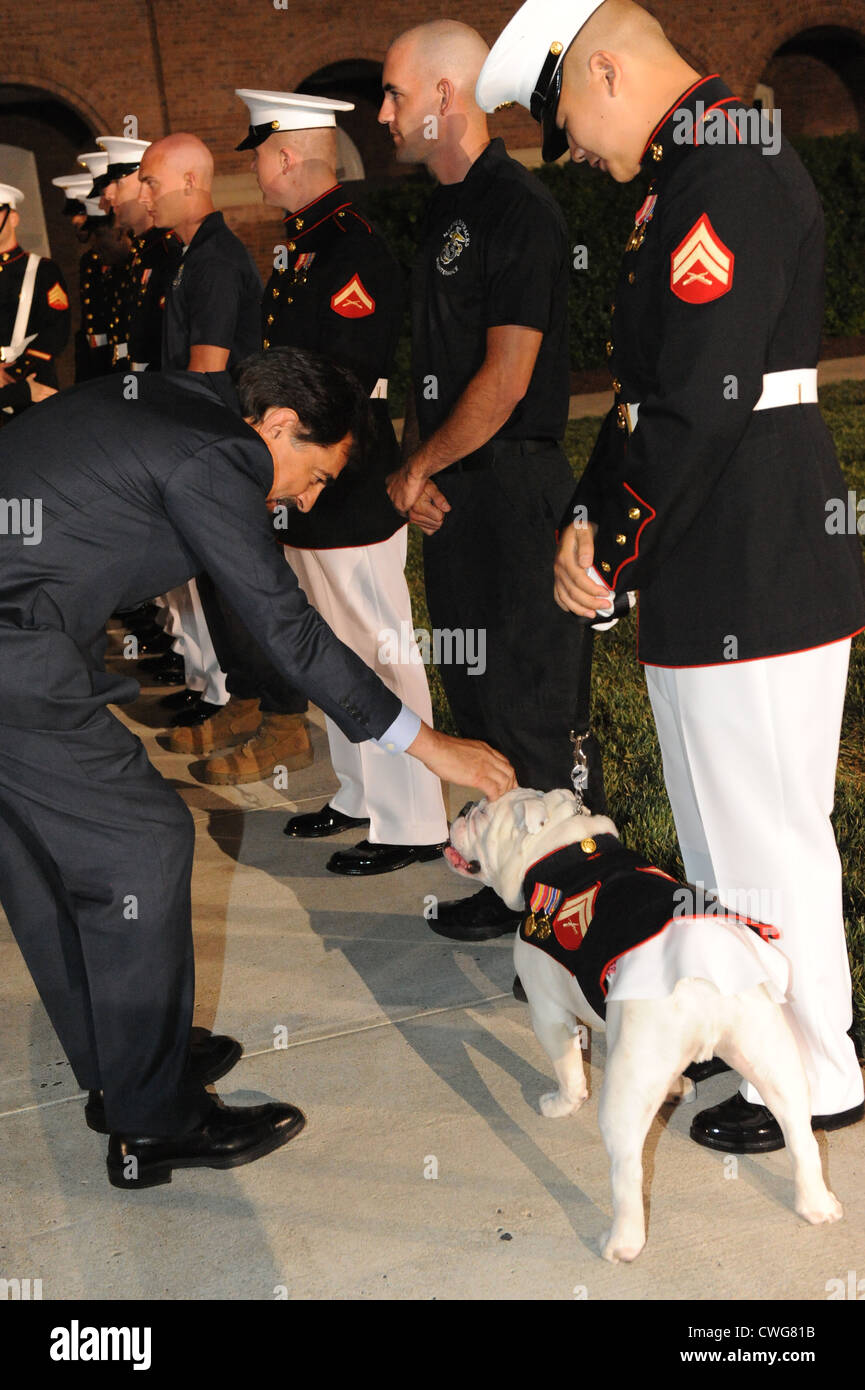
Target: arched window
817 80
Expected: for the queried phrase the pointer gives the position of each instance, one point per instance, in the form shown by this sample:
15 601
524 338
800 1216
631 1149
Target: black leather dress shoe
210 1057
227 1137
365 858
475 919
153 641
701 1071
167 670
195 715
738 1127
180 699
315 825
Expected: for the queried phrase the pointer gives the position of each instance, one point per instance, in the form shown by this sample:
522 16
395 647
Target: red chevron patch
574 917
353 301
701 267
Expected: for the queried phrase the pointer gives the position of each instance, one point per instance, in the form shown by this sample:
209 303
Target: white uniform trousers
750 752
361 592
186 623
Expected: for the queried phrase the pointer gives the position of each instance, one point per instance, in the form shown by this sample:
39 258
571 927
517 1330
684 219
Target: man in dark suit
128 487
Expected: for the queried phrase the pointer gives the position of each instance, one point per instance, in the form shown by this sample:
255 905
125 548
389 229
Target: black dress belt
495 449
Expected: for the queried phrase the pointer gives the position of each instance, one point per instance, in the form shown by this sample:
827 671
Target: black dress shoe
475 919
315 825
180 699
195 715
227 1137
738 1127
168 670
210 1057
365 858
701 1071
153 642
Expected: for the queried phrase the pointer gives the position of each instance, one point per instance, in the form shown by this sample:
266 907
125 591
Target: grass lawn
623 718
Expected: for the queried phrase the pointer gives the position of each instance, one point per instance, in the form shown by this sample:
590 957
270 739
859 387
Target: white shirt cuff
403 731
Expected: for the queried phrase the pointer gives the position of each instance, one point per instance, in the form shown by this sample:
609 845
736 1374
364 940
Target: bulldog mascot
613 941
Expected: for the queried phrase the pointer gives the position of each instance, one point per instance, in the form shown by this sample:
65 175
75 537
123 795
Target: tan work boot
281 741
235 722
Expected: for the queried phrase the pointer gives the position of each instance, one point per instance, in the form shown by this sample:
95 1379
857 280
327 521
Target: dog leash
581 730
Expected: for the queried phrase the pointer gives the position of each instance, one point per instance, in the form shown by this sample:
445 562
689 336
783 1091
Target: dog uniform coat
593 902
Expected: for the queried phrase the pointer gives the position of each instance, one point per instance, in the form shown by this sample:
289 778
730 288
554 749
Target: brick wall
174 64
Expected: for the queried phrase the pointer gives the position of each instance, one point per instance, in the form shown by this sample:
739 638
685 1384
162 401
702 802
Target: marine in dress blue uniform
709 486
45 332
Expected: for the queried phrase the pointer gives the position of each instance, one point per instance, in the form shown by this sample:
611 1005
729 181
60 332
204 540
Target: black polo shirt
494 252
214 298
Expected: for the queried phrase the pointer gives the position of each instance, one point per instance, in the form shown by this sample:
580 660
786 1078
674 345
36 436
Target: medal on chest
300 270
641 223
542 904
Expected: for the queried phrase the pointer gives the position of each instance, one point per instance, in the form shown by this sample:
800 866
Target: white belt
798 387
379 391
96 340
138 366
121 350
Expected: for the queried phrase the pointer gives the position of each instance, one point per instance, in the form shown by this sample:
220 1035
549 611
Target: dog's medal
543 903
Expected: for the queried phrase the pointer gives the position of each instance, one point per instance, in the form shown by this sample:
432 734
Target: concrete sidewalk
426 1170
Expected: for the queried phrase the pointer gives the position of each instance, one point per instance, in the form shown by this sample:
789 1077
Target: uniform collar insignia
662 151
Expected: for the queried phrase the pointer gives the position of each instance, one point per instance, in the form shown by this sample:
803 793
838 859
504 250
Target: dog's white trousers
750 752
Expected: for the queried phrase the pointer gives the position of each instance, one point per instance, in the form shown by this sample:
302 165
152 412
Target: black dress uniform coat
49 319
601 901
715 513
93 350
340 292
155 258
135 496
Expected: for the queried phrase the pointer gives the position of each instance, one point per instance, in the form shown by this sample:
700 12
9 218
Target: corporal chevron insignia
57 297
573 919
701 267
353 301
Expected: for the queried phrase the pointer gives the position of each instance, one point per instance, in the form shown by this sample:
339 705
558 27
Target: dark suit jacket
136 497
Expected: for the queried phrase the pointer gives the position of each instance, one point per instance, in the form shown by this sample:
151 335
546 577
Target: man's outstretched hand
465 761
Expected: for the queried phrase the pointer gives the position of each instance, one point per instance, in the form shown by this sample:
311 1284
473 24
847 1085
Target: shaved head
619 76
295 166
184 154
429 79
444 48
176 176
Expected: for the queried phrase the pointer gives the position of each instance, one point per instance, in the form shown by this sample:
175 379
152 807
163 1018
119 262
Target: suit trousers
361 593
95 866
489 575
750 752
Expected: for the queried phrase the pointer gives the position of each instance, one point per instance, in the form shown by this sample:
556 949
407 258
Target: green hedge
599 214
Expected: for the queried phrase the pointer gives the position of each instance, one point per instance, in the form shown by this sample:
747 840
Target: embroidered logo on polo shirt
456 240
353 301
701 267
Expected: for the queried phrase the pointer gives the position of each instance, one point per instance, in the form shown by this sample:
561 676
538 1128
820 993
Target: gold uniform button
270 318
588 846
274 125
608 348
288 299
275 293
632 277
292 246
555 48
621 540
605 566
298 222
622 420
617 385
657 152
634 514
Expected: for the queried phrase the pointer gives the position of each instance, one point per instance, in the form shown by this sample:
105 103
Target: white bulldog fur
649 1040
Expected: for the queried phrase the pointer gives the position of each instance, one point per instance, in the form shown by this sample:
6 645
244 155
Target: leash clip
580 770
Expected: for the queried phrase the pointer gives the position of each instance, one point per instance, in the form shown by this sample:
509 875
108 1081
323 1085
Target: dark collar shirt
494 252
141 484
213 298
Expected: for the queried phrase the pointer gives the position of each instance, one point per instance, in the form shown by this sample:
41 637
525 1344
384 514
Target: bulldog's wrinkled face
495 842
